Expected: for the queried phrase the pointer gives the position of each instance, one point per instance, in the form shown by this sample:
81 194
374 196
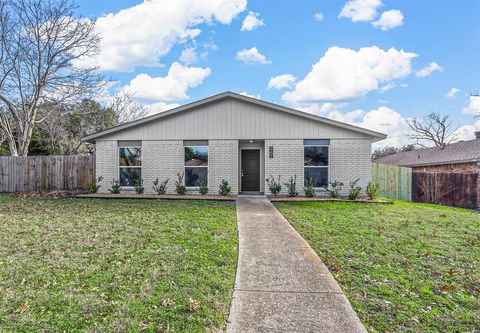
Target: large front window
196 165
316 161
130 165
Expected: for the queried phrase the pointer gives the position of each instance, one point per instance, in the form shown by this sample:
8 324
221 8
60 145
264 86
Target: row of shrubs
274 186
334 188
160 187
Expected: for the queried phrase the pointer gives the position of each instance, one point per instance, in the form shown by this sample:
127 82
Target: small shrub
115 187
224 188
292 186
309 187
138 185
354 190
334 189
372 191
179 186
160 188
202 187
95 186
274 186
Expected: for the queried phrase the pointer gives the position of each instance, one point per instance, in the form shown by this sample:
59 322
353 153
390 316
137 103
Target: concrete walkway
281 284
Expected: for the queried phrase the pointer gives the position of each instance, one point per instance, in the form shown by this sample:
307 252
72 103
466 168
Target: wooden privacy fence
46 173
460 189
394 182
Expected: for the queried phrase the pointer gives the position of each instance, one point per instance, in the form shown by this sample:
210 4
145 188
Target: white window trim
195 166
319 166
127 166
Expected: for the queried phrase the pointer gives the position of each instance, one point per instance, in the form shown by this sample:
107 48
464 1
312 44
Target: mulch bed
156 196
107 196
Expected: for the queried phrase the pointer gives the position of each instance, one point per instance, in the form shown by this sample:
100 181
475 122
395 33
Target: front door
251 170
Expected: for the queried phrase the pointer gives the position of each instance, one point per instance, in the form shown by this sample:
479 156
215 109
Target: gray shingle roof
459 152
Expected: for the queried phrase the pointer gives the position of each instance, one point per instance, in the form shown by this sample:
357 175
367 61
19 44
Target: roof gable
231 106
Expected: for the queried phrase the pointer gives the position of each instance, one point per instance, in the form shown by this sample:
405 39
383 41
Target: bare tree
63 129
125 108
41 45
434 128
3 137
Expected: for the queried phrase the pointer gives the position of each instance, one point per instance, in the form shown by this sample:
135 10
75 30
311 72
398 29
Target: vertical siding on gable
231 119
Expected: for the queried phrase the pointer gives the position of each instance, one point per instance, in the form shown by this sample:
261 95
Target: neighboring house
456 157
447 175
236 138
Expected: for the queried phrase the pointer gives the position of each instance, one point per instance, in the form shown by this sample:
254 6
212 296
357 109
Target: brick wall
106 163
162 160
287 161
222 164
350 160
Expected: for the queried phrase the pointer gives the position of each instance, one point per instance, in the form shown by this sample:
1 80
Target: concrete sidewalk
281 284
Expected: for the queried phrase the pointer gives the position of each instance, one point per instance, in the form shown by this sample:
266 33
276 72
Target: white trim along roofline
377 135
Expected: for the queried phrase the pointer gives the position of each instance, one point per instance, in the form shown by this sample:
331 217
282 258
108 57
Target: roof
459 152
92 137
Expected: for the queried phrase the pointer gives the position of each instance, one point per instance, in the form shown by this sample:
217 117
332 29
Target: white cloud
467 132
343 74
388 86
159 107
251 56
389 19
189 56
452 93
140 35
251 22
244 93
318 17
360 10
172 87
473 106
384 120
347 117
429 69
317 108
281 81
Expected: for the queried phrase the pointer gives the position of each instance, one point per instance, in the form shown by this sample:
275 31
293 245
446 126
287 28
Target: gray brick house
237 138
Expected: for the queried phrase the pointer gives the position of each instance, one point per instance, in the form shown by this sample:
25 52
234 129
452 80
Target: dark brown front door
251 170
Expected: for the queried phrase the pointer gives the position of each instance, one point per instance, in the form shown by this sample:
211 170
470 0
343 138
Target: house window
196 163
316 161
130 164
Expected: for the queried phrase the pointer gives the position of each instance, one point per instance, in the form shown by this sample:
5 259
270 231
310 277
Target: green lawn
404 267
115 266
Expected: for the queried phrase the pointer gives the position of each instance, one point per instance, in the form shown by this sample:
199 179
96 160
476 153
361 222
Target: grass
115 266
404 267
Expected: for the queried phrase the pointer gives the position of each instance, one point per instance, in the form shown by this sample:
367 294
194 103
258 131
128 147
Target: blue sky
379 87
